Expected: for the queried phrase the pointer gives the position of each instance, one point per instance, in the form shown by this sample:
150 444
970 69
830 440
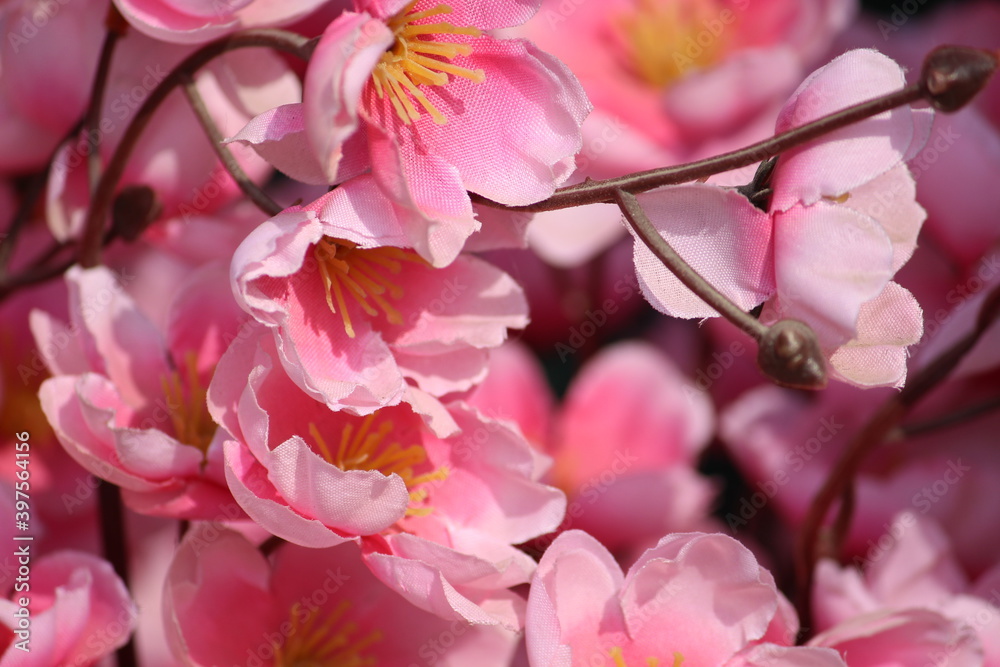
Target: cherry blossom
424 93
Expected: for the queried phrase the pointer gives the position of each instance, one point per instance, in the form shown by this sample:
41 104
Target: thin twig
215 138
596 192
90 252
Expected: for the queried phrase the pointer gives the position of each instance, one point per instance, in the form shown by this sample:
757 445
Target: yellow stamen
666 39
415 59
359 273
367 450
615 653
332 642
186 402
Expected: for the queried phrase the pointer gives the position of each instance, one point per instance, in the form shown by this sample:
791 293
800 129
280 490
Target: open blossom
693 599
80 612
357 315
842 219
424 96
305 606
435 495
128 399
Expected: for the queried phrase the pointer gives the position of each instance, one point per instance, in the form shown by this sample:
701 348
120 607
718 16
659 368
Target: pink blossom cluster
315 352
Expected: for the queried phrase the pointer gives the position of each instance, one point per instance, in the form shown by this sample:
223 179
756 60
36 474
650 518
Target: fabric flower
128 399
672 81
698 599
435 495
427 98
628 432
356 314
79 611
842 220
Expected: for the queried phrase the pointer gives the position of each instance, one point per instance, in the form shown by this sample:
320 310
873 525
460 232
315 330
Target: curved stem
787 352
249 188
90 254
92 119
887 418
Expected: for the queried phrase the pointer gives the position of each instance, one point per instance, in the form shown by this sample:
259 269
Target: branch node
953 75
789 354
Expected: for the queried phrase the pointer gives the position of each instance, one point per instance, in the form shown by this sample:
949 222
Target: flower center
332 643
360 275
616 655
416 59
666 39
366 449
186 402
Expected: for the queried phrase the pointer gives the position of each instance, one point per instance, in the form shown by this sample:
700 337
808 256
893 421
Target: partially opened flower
357 314
427 98
435 495
79 611
842 220
911 567
628 434
693 599
128 399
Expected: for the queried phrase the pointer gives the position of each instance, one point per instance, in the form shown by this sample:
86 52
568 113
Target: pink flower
190 21
80 611
913 567
698 599
355 317
427 98
435 495
672 81
627 434
128 400
841 221
227 604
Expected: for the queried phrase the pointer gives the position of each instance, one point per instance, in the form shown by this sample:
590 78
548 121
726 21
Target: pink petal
279 136
355 502
854 155
707 589
886 326
338 71
248 481
829 260
573 599
526 115
720 234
